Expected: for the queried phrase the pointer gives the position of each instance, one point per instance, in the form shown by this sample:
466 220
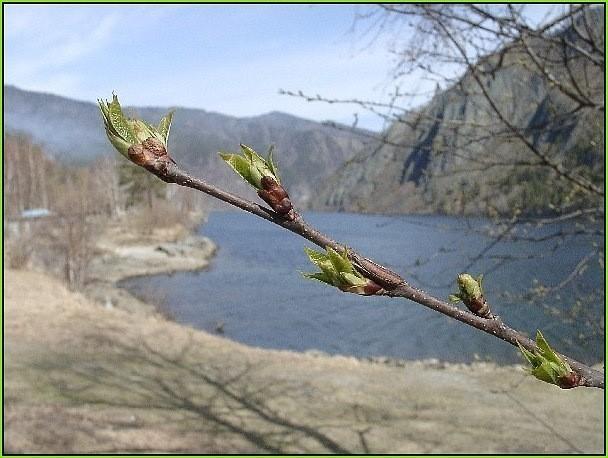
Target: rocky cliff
455 156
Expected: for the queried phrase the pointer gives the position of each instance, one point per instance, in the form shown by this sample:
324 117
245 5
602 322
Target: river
254 291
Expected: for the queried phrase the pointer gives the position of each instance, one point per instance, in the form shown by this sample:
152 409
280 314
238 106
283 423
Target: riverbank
122 253
87 379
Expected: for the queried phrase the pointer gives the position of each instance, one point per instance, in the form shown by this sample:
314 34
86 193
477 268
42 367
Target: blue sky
230 59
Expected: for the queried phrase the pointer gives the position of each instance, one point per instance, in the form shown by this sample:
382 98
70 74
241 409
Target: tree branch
393 284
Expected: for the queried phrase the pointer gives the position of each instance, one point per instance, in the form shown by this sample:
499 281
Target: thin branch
574 93
393 284
566 216
578 269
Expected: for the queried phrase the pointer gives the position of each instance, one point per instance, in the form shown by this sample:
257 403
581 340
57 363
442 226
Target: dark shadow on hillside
218 407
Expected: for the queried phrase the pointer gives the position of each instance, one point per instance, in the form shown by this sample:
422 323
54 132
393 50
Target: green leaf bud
263 175
337 270
470 293
469 287
548 366
125 133
251 166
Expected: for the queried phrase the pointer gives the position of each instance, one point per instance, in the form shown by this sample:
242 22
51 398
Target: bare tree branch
559 168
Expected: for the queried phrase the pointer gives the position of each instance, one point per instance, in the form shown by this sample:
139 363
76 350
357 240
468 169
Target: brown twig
393 284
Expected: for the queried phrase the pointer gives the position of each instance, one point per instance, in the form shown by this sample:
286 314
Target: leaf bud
275 195
140 142
550 367
470 292
337 270
263 175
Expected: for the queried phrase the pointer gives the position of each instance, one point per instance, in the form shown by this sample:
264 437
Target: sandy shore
81 378
122 254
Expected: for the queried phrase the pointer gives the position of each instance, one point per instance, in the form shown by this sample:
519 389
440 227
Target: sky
231 59
223 58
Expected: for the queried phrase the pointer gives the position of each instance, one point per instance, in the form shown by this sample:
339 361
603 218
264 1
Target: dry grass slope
83 379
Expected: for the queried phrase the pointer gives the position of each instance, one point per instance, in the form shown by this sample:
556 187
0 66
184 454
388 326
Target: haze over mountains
307 152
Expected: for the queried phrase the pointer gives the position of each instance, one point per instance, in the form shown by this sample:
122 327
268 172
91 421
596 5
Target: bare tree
77 199
106 179
25 175
526 146
561 60
77 224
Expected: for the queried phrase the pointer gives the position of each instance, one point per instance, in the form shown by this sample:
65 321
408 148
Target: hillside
455 156
307 151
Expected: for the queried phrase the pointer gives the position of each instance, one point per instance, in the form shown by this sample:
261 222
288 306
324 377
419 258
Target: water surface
254 289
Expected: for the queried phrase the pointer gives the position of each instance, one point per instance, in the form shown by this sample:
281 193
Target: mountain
307 152
455 156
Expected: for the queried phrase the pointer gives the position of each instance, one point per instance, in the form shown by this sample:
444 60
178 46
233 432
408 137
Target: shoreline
161 253
167 254
179 250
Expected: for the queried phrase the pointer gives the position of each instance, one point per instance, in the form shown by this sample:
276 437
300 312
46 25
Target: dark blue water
253 286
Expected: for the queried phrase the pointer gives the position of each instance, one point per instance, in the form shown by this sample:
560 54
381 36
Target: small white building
26 220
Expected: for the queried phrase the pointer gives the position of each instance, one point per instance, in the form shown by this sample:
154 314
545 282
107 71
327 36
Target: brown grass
83 379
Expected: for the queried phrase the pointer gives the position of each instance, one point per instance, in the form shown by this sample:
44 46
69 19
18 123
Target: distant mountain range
307 152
